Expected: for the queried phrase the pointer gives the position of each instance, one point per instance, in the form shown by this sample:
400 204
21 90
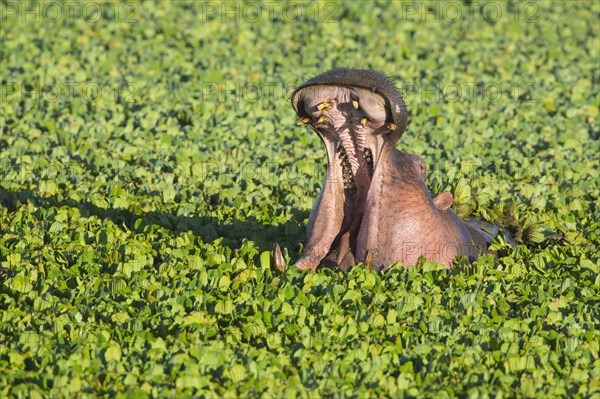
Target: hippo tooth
325 105
368 154
302 121
321 119
369 259
278 259
391 126
363 122
355 104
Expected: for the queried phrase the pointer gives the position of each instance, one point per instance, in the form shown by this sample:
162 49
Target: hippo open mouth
351 122
357 114
374 206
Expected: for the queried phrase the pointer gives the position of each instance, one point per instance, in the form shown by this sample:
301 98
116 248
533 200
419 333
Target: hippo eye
420 165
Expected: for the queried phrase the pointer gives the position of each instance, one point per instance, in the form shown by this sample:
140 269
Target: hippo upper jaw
371 81
357 125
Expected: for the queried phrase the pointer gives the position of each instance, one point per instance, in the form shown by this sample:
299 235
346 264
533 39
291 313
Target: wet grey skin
374 206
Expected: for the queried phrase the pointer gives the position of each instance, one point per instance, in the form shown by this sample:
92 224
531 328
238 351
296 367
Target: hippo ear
443 200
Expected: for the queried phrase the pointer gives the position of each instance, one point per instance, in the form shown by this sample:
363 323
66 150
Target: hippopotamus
374 206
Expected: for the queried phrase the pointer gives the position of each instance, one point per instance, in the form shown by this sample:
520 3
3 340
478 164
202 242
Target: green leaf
265 260
112 353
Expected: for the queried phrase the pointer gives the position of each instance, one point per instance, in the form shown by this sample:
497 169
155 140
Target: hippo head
374 206
359 115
